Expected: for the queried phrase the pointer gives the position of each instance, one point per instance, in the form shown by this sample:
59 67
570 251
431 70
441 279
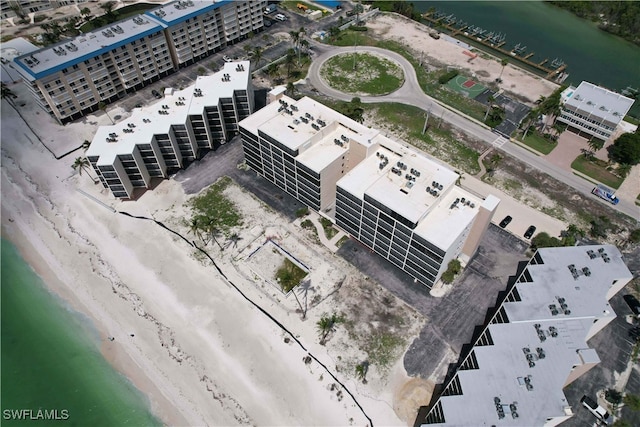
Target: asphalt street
411 93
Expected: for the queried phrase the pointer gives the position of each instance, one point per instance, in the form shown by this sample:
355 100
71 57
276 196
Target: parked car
227 58
529 232
156 94
269 9
633 304
598 411
280 17
507 219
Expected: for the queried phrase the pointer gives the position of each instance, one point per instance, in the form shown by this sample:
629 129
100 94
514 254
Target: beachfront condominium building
158 140
19 8
392 198
535 343
72 78
593 111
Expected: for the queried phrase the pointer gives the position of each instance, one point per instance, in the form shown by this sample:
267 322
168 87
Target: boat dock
496 42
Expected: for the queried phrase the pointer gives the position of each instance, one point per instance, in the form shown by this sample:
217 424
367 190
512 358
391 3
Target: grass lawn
372 75
213 206
327 225
596 169
428 80
539 143
289 275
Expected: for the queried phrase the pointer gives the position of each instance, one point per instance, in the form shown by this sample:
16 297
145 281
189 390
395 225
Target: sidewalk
331 244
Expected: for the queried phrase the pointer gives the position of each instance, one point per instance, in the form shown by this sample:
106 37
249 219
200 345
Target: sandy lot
440 53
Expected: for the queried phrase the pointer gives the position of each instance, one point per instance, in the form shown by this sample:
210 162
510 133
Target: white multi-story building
72 78
390 197
593 111
160 139
536 342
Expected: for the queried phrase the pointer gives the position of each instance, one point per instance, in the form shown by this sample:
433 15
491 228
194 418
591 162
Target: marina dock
553 70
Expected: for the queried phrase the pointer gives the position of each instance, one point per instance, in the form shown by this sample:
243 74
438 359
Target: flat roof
148 121
437 219
59 56
179 11
555 342
598 101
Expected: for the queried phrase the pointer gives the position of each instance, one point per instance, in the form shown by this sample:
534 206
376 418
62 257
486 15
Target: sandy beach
200 352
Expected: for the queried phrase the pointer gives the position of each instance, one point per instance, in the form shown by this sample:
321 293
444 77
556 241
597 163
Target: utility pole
441 116
355 54
426 121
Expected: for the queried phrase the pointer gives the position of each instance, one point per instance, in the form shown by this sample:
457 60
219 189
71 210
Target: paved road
411 93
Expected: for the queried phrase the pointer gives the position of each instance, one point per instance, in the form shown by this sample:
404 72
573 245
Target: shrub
358 28
302 212
448 76
307 224
453 268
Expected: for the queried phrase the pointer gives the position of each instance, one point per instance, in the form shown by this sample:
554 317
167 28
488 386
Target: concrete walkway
331 244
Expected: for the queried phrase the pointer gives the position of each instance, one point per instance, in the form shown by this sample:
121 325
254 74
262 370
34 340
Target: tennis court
466 86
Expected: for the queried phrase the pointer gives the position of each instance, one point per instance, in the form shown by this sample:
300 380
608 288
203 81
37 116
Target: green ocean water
591 54
51 360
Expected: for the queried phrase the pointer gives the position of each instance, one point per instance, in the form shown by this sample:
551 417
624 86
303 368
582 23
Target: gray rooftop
555 342
598 101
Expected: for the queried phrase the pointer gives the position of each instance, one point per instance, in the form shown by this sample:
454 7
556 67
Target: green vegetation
539 143
362 73
619 18
626 149
495 116
404 8
345 239
327 225
302 212
453 268
383 348
410 120
601 226
596 169
568 237
213 213
326 325
632 401
289 275
307 224
361 371
427 80
443 79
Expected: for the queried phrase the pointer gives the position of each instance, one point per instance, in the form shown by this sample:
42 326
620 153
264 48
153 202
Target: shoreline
113 352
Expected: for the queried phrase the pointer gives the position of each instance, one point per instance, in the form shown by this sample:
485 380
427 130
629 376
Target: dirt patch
410 397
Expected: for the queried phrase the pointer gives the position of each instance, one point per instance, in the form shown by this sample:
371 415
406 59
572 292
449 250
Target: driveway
569 147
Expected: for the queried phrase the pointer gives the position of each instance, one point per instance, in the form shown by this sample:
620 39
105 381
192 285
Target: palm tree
85 145
291 89
214 230
235 238
326 325
194 227
504 63
361 371
257 55
289 60
102 106
489 105
80 164
295 38
595 144
623 170
7 93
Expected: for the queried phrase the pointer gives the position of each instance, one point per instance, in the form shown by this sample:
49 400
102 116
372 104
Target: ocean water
52 370
550 32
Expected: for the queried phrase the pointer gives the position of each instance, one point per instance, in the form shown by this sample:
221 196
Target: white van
270 9
280 17
598 411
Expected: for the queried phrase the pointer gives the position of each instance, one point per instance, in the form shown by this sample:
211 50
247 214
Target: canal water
590 54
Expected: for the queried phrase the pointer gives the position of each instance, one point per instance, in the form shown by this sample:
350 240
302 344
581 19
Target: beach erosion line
254 304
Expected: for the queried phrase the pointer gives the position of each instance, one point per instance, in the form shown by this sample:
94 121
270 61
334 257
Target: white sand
442 52
201 353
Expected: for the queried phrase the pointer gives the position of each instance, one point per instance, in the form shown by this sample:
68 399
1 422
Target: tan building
392 198
72 78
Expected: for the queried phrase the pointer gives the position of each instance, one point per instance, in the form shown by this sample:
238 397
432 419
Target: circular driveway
404 94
